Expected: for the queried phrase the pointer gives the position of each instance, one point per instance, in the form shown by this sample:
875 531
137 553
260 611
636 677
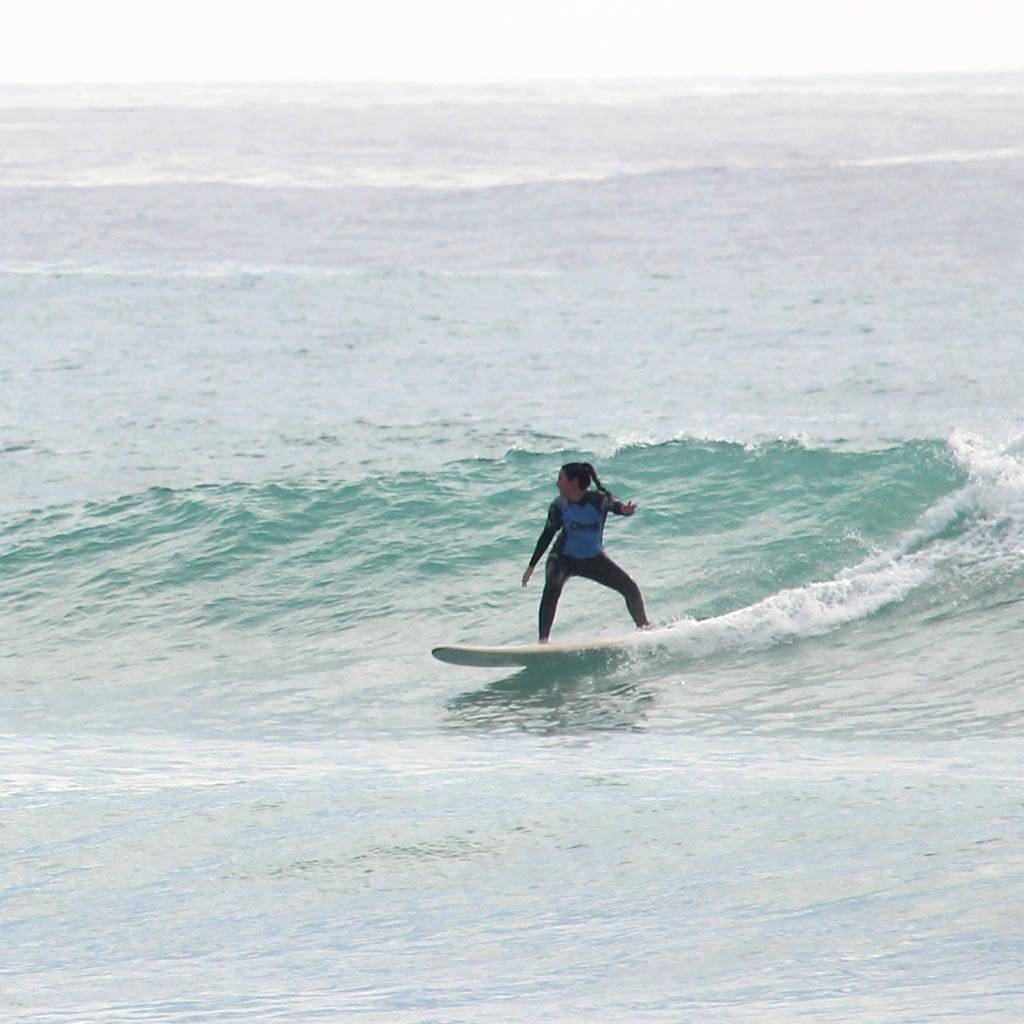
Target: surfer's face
568 487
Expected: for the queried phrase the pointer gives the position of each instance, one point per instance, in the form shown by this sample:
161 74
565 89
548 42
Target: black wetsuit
579 551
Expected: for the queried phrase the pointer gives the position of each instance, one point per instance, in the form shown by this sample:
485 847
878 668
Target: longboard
529 654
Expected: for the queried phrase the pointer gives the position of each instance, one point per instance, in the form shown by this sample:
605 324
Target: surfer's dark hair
584 474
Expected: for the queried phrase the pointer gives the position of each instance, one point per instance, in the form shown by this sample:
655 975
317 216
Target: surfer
579 513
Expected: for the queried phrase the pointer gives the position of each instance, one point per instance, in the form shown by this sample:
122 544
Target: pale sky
498 40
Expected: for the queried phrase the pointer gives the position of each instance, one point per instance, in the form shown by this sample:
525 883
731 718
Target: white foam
992 538
807 611
185 171
954 156
27 126
440 178
996 473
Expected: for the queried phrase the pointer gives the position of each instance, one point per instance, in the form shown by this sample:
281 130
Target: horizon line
731 77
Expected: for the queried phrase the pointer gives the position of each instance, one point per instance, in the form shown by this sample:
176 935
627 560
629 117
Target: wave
26 126
228 270
810 610
766 544
957 156
683 464
977 528
383 178
481 177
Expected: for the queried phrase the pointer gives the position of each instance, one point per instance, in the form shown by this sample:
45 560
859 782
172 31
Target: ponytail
593 476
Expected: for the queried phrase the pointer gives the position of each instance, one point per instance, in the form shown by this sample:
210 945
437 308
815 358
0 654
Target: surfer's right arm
551 527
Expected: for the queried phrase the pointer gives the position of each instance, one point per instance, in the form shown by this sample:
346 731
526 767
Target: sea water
286 377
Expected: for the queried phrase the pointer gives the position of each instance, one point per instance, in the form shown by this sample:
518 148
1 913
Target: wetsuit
579 551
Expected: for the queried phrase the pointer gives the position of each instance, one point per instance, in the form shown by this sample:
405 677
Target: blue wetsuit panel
580 526
583 527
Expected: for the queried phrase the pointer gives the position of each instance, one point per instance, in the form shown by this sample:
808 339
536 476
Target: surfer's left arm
622 508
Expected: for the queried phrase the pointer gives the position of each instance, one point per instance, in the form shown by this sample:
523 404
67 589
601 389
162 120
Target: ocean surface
286 377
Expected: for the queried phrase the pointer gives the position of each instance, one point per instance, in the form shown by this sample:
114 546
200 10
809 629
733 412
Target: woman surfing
578 515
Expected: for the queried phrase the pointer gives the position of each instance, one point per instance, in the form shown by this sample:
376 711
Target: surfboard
531 654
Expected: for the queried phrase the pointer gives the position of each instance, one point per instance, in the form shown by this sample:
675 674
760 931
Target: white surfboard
531 654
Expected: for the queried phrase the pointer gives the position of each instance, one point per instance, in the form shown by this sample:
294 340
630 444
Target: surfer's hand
628 508
527 575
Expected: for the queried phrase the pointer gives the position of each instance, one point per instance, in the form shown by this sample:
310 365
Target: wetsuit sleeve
551 527
611 504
